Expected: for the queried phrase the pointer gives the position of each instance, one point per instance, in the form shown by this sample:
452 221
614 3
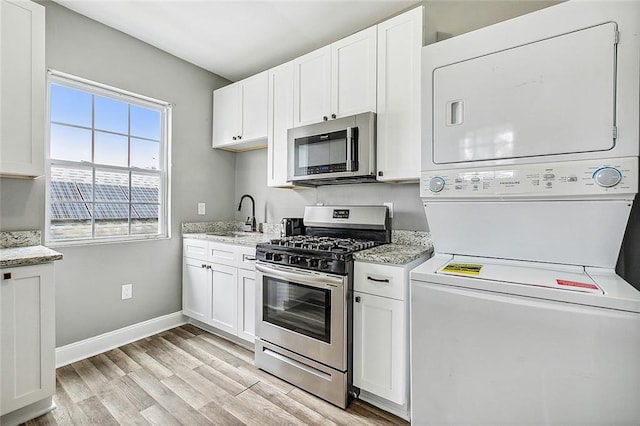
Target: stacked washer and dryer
530 168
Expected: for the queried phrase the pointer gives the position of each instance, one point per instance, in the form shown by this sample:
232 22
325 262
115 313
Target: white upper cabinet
280 119
22 98
398 91
312 87
336 80
240 114
353 74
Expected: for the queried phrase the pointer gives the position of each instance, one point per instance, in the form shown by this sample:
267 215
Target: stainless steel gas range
304 309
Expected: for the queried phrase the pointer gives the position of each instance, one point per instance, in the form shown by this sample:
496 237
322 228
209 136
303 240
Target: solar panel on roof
111 211
144 194
146 211
109 193
64 191
69 211
86 191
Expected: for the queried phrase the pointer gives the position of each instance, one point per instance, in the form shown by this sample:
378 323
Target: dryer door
554 96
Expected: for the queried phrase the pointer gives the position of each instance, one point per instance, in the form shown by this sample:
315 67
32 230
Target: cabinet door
398 117
379 347
224 298
280 119
27 336
196 289
312 87
227 114
254 107
353 74
22 71
246 304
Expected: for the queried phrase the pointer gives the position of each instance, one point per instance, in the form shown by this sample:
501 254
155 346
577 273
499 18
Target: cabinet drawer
195 249
246 258
380 280
225 254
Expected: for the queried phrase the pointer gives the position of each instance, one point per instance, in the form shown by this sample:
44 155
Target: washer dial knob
436 184
607 177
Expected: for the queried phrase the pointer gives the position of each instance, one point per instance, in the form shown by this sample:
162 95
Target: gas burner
323 244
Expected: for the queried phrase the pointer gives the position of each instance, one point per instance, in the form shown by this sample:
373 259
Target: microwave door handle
349 150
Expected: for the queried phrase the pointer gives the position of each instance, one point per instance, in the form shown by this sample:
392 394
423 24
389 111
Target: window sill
95 242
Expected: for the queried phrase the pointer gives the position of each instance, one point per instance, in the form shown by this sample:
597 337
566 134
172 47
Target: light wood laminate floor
186 376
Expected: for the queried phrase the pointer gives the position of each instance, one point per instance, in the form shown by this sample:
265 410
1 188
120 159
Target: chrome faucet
253 211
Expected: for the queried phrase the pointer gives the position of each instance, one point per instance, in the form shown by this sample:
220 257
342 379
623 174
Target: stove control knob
436 184
268 256
607 177
293 260
277 257
311 263
322 264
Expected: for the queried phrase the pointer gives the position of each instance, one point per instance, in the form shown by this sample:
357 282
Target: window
108 176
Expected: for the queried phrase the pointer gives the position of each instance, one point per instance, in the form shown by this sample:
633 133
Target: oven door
304 312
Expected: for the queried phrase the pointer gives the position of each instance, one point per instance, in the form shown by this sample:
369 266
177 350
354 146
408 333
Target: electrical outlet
389 205
127 291
202 208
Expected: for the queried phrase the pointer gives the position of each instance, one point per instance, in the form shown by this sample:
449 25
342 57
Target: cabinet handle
378 280
380 173
246 258
357 299
6 276
234 138
333 116
203 265
325 118
208 266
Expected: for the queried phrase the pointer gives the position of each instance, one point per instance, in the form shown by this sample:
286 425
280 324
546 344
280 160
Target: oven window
297 307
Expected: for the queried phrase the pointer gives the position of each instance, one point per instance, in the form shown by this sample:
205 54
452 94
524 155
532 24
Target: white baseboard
104 342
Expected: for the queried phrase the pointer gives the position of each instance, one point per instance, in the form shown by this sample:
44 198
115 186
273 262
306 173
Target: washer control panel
613 177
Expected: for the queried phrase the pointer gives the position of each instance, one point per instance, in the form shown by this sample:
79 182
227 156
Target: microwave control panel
608 177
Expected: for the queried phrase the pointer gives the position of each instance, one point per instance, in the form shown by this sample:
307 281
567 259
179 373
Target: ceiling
238 38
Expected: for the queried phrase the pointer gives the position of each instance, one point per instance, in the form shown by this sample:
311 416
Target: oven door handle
302 277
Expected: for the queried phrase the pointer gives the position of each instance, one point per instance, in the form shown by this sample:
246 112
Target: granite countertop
229 232
405 247
23 256
21 248
393 254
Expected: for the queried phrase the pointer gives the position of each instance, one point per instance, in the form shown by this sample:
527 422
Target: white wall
89 278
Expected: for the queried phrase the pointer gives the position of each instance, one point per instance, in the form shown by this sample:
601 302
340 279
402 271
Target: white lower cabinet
218 283
196 289
381 334
27 339
224 298
379 350
247 304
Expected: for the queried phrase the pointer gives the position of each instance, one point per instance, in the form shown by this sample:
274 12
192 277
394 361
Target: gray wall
89 278
272 204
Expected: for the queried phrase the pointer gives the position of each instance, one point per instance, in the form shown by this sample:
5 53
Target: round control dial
436 184
607 177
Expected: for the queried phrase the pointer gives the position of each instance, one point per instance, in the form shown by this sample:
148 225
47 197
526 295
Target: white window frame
164 208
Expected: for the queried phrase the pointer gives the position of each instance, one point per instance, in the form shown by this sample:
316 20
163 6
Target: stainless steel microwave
335 151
